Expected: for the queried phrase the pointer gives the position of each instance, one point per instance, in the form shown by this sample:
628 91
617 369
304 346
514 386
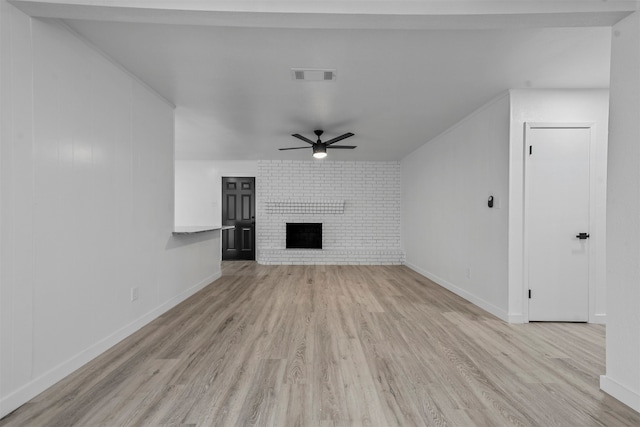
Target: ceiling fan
319 147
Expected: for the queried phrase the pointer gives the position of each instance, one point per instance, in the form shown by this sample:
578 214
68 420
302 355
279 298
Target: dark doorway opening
239 210
304 235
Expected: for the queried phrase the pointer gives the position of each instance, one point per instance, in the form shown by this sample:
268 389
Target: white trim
517 318
599 318
321 14
36 386
592 225
620 392
487 306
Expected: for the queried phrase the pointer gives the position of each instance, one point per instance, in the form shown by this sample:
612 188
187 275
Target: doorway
557 208
238 210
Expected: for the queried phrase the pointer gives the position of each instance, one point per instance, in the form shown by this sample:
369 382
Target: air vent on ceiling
313 75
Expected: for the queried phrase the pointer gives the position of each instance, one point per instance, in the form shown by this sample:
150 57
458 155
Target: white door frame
592 214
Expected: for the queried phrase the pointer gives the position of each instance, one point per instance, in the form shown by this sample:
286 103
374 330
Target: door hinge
529 293
530 149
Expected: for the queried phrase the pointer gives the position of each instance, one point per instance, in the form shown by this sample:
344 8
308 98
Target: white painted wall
577 106
235 168
199 189
86 207
197 194
451 236
448 232
622 379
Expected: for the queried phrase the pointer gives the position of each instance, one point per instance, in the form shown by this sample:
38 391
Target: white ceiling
396 88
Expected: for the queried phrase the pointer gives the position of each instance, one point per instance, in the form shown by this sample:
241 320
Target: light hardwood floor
336 346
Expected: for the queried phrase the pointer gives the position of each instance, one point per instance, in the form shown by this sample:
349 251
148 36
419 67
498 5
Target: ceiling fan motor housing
319 148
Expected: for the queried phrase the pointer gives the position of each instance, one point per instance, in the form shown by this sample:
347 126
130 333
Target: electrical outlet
134 293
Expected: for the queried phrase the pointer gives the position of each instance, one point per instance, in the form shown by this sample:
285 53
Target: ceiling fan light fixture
319 151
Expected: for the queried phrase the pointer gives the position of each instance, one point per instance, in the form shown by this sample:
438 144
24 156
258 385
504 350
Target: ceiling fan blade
343 146
339 138
304 138
292 148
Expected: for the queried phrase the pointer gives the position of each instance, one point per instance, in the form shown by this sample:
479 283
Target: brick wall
366 230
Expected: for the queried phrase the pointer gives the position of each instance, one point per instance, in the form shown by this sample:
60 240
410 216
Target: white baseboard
620 392
36 386
496 311
600 319
516 318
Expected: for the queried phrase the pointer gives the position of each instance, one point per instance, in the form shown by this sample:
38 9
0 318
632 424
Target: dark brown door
239 209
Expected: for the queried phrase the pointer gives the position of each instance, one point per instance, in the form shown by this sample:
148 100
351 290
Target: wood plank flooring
335 346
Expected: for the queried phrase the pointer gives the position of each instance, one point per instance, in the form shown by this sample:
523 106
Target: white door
556 212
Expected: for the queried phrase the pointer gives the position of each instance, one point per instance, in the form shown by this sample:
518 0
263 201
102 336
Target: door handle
582 236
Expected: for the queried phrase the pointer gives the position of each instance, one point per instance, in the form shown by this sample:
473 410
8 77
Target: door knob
582 236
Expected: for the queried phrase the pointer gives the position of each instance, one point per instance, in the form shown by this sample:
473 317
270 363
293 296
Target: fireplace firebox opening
304 235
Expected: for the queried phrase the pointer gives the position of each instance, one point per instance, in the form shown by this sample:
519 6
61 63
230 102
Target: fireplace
304 235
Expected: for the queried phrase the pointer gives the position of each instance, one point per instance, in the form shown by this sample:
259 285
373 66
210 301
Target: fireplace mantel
301 206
